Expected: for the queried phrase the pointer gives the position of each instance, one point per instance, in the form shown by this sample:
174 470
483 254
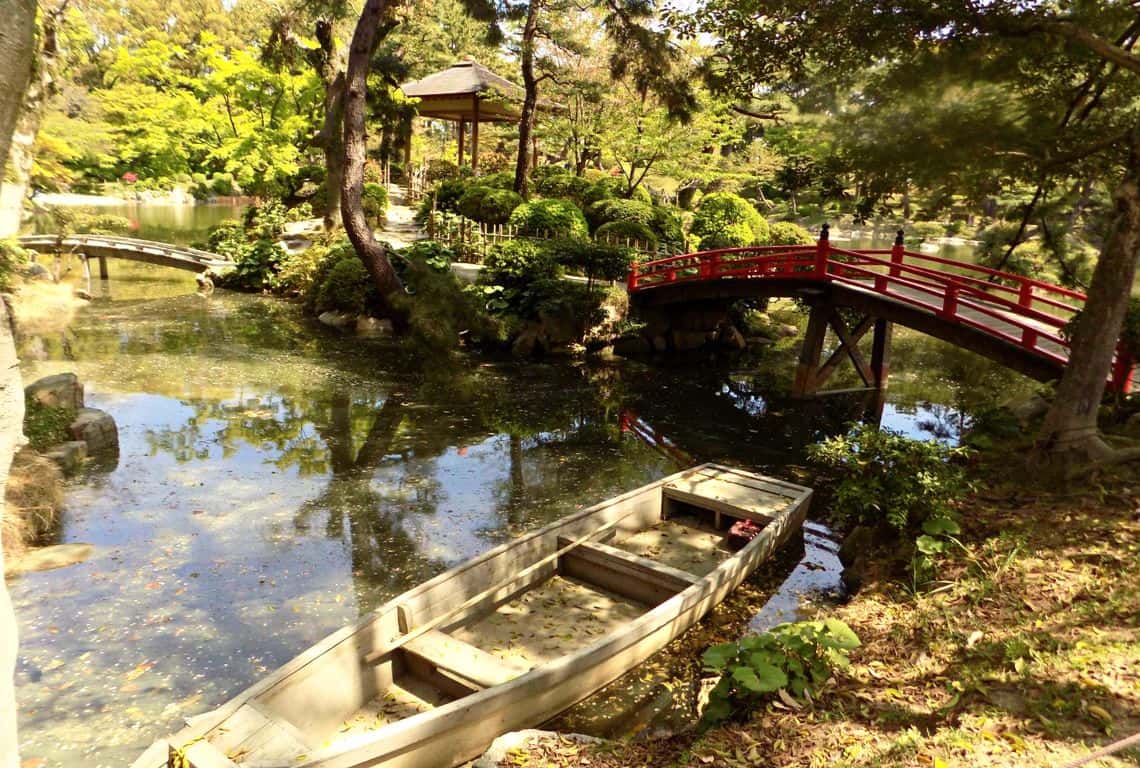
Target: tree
1070 76
16 50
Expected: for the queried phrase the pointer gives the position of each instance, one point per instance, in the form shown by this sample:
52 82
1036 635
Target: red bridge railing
1022 311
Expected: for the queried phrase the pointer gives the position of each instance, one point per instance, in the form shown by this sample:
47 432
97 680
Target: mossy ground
1024 652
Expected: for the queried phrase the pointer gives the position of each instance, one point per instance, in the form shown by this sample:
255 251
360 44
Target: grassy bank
1025 652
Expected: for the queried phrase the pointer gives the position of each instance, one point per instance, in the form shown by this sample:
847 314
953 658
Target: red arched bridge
1012 319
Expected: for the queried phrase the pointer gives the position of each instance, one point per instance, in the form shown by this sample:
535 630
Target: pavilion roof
450 94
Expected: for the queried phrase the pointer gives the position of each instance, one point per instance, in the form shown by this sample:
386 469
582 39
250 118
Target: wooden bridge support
103 274
811 376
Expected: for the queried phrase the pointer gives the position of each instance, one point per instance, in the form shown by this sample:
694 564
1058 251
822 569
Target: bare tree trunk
372 253
530 101
11 437
17 43
1069 432
331 137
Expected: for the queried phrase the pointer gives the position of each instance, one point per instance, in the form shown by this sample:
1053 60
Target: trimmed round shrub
552 181
667 224
489 205
499 180
517 262
921 231
471 202
557 218
620 231
345 289
725 220
789 233
593 259
610 210
375 201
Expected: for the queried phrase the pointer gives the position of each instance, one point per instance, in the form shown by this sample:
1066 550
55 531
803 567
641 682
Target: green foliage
797 658
881 476
438 305
345 289
265 220
667 224
615 209
375 201
789 233
620 231
553 181
488 205
227 239
434 255
12 256
725 220
592 259
1026 258
921 231
337 252
257 263
46 425
555 218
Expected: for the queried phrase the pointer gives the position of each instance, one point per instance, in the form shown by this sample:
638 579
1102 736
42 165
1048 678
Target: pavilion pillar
475 134
462 130
408 151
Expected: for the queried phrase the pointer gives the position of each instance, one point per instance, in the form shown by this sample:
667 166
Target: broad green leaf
842 635
717 657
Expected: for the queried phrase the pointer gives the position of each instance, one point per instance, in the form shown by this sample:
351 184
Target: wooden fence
471 240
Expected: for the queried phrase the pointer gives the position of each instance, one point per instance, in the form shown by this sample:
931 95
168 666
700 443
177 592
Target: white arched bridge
105 247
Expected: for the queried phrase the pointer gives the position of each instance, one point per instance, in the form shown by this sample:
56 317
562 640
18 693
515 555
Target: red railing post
898 250
1025 295
631 281
822 250
950 301
1029 338
1121 382
712 264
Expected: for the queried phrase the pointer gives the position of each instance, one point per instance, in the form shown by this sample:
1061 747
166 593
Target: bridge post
631 281
881 353
103 275
822 248
805 383
86 269
898 250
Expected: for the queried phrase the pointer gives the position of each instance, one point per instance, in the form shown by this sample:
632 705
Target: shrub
375 201
789 233
12 257
345 289
921 231
595 260
798 658
488 205
667 224
881 476
620 231
611 210
558 218
725 220
223 184
256 266
553 181
517 262
46 425
502 180
445 197
265 220
431 254
227 239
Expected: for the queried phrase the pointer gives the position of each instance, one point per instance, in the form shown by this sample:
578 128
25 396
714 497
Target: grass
1024 652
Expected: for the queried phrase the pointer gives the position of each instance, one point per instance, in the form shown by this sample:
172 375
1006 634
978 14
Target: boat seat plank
749 480
268 740
446 653
625 573
727 498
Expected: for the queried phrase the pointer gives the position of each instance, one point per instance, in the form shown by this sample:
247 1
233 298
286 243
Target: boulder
688 341
786 331
337 319
69 456
559 327
731 339
82 294
373 326
63 390
97 429
634 345
1029 408
205 283
499 753
35 271
529 343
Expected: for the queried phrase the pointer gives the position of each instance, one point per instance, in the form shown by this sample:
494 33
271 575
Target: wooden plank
463 659
750 480
251 731
625 573
730 498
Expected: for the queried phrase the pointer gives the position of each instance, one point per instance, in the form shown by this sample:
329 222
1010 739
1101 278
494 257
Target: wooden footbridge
104 247
1011 319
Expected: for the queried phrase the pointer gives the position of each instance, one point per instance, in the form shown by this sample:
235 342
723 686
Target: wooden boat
506 640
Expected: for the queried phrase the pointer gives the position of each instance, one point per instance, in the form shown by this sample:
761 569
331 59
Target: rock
1132 426
502 747
1029 408
731 339
36 271
205 282
635 346
97 429
373 326
853 554
786 331
69 456
529 343
687 341
337 319
559 327
62 390
82 294
48 558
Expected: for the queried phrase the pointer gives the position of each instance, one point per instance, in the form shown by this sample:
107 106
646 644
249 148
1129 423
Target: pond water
177 224
277 480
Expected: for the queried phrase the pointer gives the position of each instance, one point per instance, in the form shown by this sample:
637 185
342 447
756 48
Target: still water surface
278 479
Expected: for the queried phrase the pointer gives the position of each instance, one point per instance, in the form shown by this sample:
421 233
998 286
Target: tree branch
1095 43
774 116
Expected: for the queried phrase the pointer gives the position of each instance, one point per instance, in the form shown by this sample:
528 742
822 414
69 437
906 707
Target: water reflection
277 479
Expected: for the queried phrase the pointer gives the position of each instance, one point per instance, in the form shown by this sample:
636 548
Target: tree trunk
372 253
331 137
17 44
11 436
1069 432
530 101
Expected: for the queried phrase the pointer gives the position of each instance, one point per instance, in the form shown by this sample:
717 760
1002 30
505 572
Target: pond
277 480
164 223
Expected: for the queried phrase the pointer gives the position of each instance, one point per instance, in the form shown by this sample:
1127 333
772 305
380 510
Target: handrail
1020 310
132 243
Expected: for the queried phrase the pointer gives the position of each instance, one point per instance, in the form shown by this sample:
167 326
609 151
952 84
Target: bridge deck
132 249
